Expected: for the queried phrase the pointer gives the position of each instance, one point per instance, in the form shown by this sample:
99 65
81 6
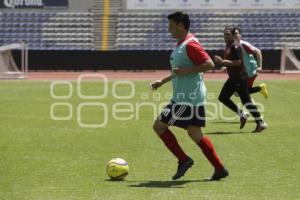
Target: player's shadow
224 132
228 132
231 122
164 184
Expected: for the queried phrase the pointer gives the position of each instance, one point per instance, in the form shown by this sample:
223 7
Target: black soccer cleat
260 127
219 174
182 168
243 119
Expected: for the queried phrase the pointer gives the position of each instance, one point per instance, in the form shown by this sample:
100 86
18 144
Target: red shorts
250 81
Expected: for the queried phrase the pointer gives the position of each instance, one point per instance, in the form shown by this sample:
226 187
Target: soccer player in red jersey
186 109
251 64
237 81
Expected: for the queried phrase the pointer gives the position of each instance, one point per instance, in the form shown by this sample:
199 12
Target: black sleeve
236 52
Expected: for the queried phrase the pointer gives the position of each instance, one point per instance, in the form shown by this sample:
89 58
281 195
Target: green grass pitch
43 159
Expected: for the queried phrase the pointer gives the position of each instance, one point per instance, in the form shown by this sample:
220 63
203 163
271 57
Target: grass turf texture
47 159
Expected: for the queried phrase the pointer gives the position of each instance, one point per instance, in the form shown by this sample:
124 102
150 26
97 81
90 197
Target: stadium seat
266 30
44 30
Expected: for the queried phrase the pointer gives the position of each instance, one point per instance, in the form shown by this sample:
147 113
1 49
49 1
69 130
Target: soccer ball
117 169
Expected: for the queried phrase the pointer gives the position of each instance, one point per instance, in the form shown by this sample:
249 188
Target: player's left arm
258 56
249 48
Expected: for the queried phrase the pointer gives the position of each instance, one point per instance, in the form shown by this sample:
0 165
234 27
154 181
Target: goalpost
289 62
8 67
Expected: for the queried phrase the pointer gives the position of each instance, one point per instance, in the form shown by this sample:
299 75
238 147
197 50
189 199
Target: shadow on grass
228 132
164 184
114 180
231 122
224 132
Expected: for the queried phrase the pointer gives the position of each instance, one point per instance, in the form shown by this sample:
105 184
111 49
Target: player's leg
228 89
169 140
264 90
225 94
255 89
251 89
242 89
209 151
161 127
250 82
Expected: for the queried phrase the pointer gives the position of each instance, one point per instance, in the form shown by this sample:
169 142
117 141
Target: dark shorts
183 115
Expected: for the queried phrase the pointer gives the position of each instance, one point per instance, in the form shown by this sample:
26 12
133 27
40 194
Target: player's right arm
156 84
236 60
228 63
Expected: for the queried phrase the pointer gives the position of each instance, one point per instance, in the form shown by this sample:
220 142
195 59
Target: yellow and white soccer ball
117 169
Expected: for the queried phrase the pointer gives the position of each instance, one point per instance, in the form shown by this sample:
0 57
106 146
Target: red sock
210 153
171 142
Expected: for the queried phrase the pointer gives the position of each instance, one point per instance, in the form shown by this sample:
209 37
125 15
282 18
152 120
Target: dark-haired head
180 17
229 34
230 28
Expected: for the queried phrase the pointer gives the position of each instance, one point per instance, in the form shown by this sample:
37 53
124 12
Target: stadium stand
48 30
105 22
266 30
143 30
104 29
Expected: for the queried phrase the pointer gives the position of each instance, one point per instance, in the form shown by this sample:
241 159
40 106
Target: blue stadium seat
66 30
267 29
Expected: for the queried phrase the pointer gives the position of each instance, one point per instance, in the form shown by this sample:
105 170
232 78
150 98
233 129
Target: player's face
228 37
238 36
174 29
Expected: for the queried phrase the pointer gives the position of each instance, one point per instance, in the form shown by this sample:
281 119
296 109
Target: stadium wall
121 60
78 6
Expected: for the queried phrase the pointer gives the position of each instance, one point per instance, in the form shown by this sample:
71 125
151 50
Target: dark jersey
234 52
